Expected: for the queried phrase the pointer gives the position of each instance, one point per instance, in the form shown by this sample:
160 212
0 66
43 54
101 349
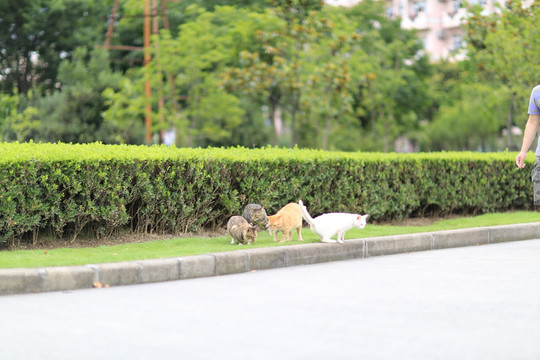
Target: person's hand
520 160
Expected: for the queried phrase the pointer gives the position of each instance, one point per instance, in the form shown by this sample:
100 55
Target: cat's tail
305 213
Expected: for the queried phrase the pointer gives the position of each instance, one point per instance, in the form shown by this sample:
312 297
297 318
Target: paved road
466 303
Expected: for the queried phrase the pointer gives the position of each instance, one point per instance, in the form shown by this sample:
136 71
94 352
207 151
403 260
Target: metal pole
148 91
161 101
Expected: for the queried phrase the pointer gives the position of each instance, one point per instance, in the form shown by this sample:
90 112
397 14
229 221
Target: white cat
328 225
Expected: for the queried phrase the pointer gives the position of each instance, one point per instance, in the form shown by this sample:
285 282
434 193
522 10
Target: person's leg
535 176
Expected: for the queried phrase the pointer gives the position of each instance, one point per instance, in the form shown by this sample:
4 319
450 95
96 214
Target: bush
63 190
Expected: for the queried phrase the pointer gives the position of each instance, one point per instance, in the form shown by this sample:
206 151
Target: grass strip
202 245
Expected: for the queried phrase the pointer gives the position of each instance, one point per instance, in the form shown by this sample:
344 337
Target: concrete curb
64 278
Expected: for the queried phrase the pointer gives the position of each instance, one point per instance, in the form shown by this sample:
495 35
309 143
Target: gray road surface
478 302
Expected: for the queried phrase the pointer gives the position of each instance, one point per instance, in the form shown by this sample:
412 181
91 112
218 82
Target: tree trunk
273 121
326 133
509 122
273 100
294 108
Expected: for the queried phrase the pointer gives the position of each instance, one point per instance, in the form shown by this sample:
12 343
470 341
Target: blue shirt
534 109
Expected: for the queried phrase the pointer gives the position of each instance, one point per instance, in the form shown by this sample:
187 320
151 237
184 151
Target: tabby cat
256 215
241 231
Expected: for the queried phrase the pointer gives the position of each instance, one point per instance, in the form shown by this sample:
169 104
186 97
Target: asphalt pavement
478 302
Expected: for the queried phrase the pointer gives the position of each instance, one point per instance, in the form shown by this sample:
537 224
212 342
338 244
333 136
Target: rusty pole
161 101
147 90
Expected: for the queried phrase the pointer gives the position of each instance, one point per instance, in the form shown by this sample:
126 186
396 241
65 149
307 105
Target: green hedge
62 190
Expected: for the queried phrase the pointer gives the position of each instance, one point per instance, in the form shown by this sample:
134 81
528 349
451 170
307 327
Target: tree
504 48
170 15
183 73
75 114
290 61
391 77
329 94
16 123
256 5
36 35
470 120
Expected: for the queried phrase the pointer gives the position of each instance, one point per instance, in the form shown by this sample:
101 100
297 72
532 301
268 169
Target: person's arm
528 137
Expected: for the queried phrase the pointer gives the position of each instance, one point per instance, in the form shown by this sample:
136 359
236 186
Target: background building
439 22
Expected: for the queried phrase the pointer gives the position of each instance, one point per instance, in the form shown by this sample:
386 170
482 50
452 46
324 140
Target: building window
456 5
419 6
456 42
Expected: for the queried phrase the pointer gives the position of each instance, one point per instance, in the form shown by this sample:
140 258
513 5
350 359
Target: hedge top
22 152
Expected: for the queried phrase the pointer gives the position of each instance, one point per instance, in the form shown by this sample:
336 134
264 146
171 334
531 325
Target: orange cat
286 219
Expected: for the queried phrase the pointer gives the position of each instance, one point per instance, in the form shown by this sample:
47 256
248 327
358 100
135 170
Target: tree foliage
75 114
252 72
37 34
504 49
471 121
16 124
